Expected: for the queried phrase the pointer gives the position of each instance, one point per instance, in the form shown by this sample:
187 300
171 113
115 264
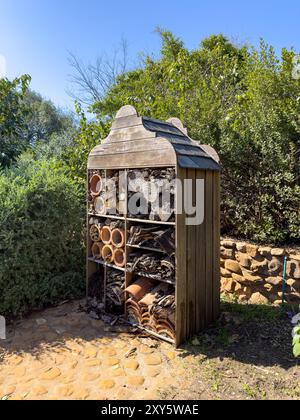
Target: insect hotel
153 228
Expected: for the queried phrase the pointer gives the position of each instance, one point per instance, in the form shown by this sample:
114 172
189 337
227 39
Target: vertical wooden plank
181 275
216 251
191 258
209 247
200 265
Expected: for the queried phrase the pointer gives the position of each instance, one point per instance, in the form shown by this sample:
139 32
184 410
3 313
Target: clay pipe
97 250
118 238
96 185
119 257
108 253
106 235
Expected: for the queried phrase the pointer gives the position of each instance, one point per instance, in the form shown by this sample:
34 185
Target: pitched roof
137 142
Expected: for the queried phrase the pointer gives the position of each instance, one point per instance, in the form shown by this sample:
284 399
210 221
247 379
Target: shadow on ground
254 335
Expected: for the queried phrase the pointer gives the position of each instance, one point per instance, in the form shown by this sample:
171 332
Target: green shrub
41 241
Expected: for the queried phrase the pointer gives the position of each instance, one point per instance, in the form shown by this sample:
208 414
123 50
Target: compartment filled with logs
107 192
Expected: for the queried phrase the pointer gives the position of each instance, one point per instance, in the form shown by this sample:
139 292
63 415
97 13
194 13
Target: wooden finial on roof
178 124
127 111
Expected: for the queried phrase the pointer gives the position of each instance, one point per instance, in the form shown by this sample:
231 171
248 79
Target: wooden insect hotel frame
161 272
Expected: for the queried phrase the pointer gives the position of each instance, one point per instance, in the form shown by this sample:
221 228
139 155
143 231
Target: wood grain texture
209 260
200 257
181 272
216 246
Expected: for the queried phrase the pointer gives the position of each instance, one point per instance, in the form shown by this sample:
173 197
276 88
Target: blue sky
36 35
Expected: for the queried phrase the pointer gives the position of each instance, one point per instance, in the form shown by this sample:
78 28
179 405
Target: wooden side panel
181 273
209 247
191 260
216 246
200 265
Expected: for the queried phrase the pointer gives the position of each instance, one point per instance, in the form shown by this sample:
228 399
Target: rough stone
19 371
252 250
131 364
81 394
277 252
275 281
241 247
225 273
146 350
10 389
244 260
243 299
135 380
228 244
265 251
118 373
293 269
91 352
109 352
275 266
153 371
233 266
222 263
259 266
228 285
91 376
93 363
153 360
65 391
111 361
107 384
51 374
258 299
227 253
38 391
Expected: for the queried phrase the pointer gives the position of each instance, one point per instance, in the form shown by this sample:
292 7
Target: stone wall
254 274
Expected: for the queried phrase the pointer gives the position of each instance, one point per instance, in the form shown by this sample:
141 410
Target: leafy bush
41 242
245 103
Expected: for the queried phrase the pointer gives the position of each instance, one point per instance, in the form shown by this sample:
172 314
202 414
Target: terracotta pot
97 248
118 238
140 288
95 233
119 257
106 235
108 253
96 185
99 205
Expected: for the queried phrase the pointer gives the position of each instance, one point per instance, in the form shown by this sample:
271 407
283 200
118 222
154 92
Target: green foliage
245 103
84 140
12 113
296 336
43 119
41 241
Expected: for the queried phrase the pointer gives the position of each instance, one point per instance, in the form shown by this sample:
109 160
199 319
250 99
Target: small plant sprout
296 335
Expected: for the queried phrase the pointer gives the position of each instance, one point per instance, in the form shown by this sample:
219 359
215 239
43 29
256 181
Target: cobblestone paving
61 353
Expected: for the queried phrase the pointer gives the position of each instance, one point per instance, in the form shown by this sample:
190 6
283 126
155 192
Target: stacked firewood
115 296
154 266
108 241
107 194
152 306
153 237
151 194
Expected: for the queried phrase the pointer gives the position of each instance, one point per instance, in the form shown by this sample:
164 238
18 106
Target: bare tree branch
90 82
